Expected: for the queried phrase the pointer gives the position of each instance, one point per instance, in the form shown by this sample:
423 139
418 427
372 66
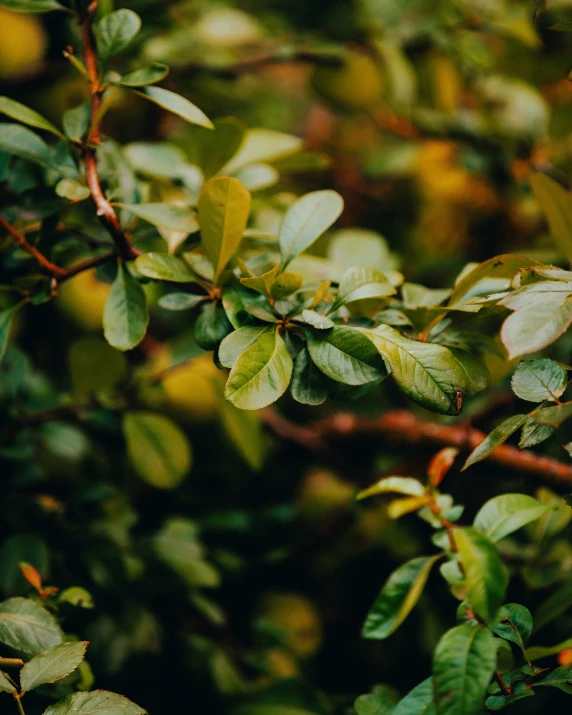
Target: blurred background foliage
246 586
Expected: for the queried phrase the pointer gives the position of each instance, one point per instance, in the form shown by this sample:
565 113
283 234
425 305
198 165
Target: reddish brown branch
105 210
21 240
86 265
404 426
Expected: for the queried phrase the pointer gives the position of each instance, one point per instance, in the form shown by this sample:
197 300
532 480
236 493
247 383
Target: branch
404 426
105 210
86 265
53 270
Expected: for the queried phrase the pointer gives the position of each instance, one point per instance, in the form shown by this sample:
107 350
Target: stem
19 703
503 686
86 265
54 270
105 211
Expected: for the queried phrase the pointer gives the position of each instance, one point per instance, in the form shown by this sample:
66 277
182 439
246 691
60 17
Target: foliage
168 277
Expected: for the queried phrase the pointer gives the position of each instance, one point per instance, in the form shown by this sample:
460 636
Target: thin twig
53 270
105 210
86 265
404 426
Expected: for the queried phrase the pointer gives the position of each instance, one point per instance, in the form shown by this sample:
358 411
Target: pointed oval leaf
158 450
28 116
144 76
53 664
5 685
180 301
560 678
306 220
211 326
96 702
263 283
261 374
486 577
220 145
236 343
174 218
26 626
20 141
394 485
398 596
499 435
165 267
224 207
504 266
359 283
372 705
539 380
553 415
463 665
346 355
513 623
176 104
125 316
316 320
308 386
506 513
286 284
418 702
72 190
427 373
115 31
537 325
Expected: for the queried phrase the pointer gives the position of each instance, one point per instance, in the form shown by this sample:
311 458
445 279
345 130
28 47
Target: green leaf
542 313
95 366
97 702
553 415
76 596
556 204
26 626
463 665
5 685
158 450
533 433
498 702
261 374
36 6
398 596
217 147
504 266
164 267
539 380
499 435
418 702
486 576
72 190
180 301
53 664
308 386
286 284
174 218
346 355
211 326
125 316
316 320
20 141
394 485
28 116
176 104
224 207
262 145
263 283
538 652
257 177
361 283
236 343
245 431
306 220
513 623
372 705
115 31
76 121
178 546
502 515
425 372
5 325
560 678
554 606
476 374
143 76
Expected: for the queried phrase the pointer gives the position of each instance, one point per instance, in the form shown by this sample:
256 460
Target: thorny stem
105 211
